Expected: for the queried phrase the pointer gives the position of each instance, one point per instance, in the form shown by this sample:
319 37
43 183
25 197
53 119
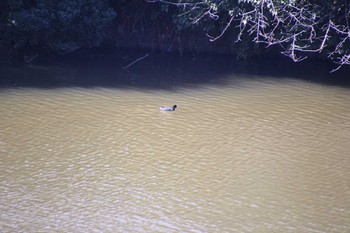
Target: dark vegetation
39 29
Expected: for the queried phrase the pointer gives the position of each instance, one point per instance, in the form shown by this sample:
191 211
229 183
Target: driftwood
29 59
138 59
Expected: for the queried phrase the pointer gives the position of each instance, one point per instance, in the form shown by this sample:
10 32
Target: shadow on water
161 71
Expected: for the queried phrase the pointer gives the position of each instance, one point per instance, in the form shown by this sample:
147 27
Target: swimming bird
165 108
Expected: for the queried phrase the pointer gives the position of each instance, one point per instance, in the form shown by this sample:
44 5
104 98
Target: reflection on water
248 156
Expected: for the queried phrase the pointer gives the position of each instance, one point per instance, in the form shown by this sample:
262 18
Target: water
238 155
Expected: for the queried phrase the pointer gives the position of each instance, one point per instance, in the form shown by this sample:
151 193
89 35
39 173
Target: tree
299 27
60 25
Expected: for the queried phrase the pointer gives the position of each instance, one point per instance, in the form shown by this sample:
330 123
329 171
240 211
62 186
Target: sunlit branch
223 31
296 26
179 3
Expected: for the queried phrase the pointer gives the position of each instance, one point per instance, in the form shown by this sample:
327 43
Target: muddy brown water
270 156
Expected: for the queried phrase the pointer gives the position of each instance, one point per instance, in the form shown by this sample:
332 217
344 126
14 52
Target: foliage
143 25
63 25
299 27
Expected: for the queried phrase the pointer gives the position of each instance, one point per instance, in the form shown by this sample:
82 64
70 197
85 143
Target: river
241 153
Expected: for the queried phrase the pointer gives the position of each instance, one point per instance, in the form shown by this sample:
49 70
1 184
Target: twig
212 39
138 59
29 59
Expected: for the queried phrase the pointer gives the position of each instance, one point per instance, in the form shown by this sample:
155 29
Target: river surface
257 154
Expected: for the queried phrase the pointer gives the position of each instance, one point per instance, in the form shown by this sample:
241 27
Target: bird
165 108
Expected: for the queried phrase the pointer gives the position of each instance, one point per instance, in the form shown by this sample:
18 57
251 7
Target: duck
169 109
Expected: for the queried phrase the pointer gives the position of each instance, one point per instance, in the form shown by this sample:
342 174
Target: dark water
84 148
162 71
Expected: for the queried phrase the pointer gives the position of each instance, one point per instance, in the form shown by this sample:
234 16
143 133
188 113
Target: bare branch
223 31
298 27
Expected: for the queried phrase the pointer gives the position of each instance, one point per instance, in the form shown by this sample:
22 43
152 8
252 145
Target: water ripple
267 157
